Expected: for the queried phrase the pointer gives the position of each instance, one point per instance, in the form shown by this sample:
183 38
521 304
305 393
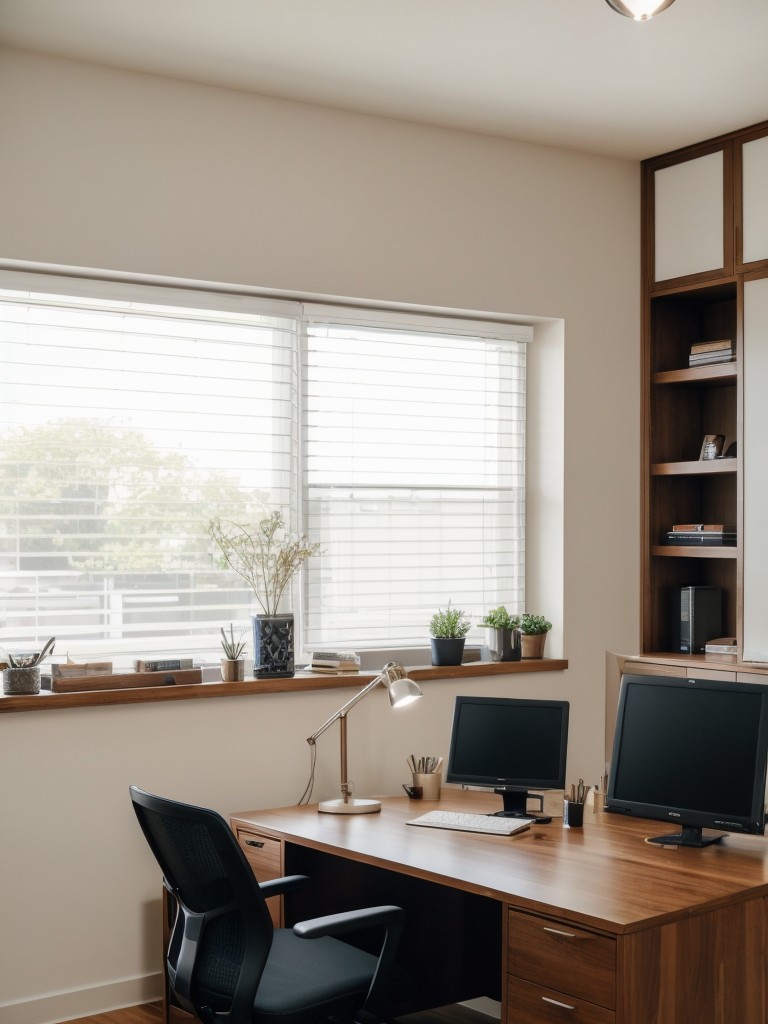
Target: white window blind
125 426
130 415
414 473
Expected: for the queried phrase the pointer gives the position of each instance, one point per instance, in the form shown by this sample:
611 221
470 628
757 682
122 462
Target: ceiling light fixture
640 10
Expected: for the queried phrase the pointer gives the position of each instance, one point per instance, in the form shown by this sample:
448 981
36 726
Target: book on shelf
331 671
708 358
702 538
722 645
692 527
162 664
711 346
347 661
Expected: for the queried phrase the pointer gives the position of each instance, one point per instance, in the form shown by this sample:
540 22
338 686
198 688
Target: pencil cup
21 680
598 804
573 814
429 784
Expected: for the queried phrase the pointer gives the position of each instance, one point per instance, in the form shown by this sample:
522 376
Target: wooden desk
590 925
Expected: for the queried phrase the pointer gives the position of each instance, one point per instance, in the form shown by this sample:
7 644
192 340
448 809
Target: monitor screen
692 752
510 745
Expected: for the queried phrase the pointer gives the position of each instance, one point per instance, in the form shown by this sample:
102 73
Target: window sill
301 682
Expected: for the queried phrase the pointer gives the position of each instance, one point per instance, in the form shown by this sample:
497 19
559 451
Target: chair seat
306 979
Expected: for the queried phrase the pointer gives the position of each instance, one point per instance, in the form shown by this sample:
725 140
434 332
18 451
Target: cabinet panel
689 221
754 463
754 200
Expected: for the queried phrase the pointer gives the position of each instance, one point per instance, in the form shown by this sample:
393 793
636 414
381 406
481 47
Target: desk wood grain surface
604 875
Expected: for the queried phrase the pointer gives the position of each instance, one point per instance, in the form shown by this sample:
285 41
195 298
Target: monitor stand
515 804
691 835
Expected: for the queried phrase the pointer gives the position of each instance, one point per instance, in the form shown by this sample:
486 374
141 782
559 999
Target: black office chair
226 962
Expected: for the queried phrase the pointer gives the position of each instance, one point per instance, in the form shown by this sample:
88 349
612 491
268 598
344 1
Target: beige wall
138 174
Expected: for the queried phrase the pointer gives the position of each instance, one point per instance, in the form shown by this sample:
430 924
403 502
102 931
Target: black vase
273 646
447 650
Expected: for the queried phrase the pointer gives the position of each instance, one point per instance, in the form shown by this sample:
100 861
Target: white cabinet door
689 217
755 445
754 191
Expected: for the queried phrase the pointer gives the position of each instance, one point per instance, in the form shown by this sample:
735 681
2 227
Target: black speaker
701 617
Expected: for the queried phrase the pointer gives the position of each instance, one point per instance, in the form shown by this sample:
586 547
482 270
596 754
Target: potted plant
534 629
448 629
267 557
232 664
503 634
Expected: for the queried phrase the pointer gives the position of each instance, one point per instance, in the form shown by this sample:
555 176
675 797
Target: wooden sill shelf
301 682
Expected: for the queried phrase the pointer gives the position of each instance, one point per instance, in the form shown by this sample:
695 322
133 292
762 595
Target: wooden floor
151 1013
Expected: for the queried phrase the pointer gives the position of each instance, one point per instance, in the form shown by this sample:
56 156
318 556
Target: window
414 475
129 416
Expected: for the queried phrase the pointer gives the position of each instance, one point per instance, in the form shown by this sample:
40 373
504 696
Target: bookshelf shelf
716 374
676 551
701 467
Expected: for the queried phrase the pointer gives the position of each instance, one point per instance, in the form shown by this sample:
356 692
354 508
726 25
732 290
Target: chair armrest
278 886
349 921
392 919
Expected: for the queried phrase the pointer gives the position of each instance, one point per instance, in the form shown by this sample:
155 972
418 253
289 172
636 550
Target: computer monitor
510 745
692 752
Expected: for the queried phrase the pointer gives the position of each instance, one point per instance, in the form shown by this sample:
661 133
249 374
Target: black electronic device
509 745
692 752
700 617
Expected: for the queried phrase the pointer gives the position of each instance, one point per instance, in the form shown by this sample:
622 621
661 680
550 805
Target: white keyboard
462 822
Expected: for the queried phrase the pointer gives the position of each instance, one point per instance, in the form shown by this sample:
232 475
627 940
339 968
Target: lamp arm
342 712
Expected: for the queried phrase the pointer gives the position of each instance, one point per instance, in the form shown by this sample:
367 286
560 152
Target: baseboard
83 1002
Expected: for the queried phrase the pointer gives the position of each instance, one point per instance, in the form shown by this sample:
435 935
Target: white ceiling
568 73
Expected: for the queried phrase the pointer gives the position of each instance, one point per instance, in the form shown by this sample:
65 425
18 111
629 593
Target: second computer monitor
510 745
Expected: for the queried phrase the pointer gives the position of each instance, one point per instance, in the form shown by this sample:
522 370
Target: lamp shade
402 691
640 10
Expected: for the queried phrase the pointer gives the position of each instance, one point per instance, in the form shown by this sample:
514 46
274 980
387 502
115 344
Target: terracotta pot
533 645
232 670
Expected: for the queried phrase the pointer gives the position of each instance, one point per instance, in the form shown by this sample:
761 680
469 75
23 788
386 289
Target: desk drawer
560 957
533 1004
265 855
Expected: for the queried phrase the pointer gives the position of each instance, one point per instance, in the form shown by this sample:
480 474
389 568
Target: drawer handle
554 1002
556 931
254 842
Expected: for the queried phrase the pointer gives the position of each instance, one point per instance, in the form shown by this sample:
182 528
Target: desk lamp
402 691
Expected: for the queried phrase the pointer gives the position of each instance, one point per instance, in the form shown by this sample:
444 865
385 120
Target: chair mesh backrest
192 861
206 870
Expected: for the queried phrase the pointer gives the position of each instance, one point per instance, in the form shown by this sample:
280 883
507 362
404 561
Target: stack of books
688 534
335 662
706 352
722 645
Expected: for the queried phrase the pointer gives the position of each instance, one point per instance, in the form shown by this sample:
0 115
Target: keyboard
461 822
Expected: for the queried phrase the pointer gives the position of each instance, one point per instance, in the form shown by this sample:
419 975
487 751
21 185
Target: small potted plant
232 664
534 629
503 634
448 629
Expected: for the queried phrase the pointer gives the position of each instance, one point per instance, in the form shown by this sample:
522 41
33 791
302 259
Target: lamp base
349 807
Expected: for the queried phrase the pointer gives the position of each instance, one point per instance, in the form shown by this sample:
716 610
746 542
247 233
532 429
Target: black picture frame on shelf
711 447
